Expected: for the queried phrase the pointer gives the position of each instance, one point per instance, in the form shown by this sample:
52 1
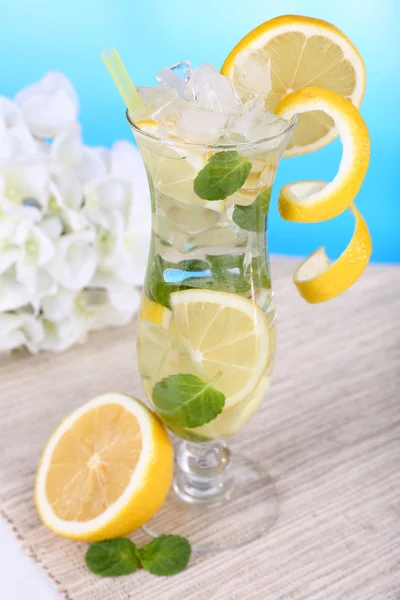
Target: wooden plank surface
328 431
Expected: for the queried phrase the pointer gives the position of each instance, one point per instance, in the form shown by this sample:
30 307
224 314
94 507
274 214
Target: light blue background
38 35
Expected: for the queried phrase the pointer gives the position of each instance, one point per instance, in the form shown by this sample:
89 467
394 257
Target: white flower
49 105
24 189
75 260
35 249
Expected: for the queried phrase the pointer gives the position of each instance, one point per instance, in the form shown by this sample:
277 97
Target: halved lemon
227 338
302 51
105 471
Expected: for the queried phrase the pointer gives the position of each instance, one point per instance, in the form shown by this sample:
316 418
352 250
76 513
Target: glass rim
178 142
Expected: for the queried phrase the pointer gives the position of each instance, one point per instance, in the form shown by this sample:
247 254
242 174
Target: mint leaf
187 401
220 262
253 217
224 173
192 264
112 558
259 272
165 555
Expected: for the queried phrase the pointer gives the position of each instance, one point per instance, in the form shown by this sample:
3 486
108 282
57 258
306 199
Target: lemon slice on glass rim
302 51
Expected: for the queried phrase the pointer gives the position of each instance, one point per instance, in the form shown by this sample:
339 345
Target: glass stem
202 472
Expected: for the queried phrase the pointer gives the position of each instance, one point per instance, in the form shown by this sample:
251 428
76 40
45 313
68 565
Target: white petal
108 316
34 332
24 189
11 341
132 265
49 105
46 286
123 297
104 154
67 147
26 275
107 195
13 295
21 141
10 112
61 336
52 227
75 261
7 224
8 257
92 166
75 219
58 306
126 163
9 322
44 244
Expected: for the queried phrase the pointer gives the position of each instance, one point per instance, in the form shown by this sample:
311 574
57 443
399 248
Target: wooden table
329 433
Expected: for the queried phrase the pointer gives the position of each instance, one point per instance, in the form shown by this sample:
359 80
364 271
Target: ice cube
155 102
257 124
172 111
199 125
212 91
252 72
175 76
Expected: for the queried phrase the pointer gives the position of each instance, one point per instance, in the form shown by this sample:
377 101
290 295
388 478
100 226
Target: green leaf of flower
112 558
187 401
224 173
253 217
165 555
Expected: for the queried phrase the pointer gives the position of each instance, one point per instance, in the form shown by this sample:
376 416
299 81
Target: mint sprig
165 555
187 401
224 173
112 558
253 217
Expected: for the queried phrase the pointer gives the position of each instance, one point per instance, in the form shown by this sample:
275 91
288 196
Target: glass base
245 510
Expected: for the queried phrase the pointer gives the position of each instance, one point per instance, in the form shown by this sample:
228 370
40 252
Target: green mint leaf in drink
259 272
185 400
224 173
165 555
220 262
253 217
192 264
112 558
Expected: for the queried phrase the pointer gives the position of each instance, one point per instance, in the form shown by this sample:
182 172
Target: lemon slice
227 338
317 281
154 312
174 169
231 420
105 470
313 201
303 51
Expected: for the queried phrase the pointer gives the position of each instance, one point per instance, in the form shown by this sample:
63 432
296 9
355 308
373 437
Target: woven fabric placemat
328 431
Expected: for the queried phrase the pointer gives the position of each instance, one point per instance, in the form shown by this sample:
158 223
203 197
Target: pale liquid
196 247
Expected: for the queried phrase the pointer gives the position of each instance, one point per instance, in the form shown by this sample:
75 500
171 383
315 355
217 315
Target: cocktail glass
204 251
